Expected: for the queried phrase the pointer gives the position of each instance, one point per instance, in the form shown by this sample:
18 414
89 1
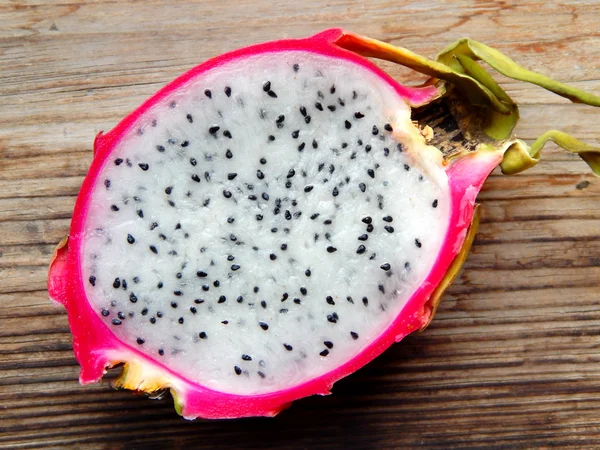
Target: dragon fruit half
278 216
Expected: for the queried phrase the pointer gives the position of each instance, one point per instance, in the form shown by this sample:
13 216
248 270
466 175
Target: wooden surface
512 359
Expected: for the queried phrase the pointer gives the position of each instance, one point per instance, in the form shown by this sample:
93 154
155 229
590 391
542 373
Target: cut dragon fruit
278 216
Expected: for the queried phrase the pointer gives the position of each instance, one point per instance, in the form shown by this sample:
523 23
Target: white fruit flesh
269 324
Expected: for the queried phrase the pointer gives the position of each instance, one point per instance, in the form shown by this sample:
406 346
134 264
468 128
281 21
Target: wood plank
511 359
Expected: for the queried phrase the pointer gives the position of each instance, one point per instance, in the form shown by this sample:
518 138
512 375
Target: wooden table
512 359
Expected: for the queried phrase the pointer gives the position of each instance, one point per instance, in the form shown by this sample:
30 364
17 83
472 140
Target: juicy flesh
251 241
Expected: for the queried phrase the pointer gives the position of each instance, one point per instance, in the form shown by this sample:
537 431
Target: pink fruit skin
95 346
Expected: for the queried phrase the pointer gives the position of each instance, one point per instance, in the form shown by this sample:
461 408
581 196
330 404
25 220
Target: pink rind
97 349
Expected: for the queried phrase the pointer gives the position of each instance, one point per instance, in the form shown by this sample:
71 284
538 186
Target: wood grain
511 360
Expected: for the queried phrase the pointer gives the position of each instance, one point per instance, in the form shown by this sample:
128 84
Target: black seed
362 187
193 309
348 125
324 352
329 300
314 144
114 207
331 318
196 178
332 89
172 203
314 216
240 299
288 215
222 299
328 344
350 300
272 94
331 108
132 298
297 301
365 301
201 274
235 267
367 148
386 151
375 130
213 130
267 86
406 167
189 118
264 326
308 188
193 161
331 168
418 243
358 115
107 183
301 146
216 283
319 106
202 335
152 319
262 375
273 256
283 246
367 219
228 154
435 203
246 357
181 320
92 280
271 138
227 91
205 287
259 217
117 283
105 312
208 93
140 213
252 197
159 285
118 161
307 272
227 134
291 173
199 301
371 173
385 266
259 174
331 249
388 127
327 222
303 111
116 321
256 289
361 249
370 228
231 176
372 257
381 288
307 119
174 305
237 370
161 351
265 196
226 194
354 335
303 290
363 237
335 192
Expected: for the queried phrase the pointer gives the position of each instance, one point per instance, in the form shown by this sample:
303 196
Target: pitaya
278 216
